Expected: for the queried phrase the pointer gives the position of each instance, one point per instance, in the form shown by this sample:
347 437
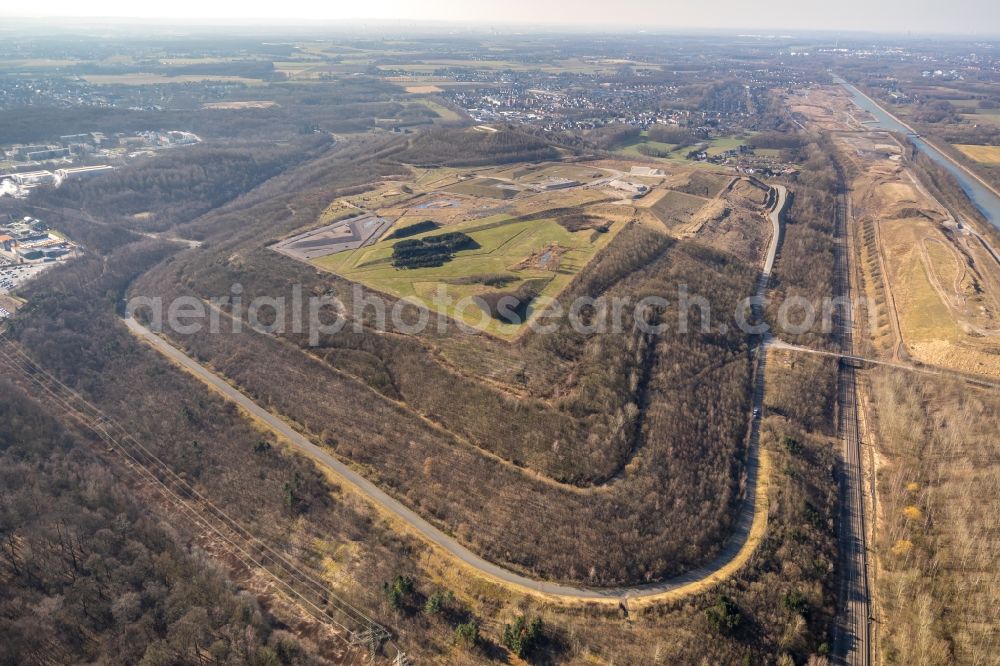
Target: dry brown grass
984 154
675 209
937 537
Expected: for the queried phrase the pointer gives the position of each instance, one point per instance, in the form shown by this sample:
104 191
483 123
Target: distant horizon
920 18
265 25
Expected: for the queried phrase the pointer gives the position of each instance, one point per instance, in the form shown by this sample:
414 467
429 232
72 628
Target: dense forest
806 269
787 590
179 185
430 250
89 574
471 148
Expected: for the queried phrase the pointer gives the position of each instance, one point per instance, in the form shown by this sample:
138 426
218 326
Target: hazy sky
919 16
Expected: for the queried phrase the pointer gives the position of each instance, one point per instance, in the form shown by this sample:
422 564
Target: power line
140 459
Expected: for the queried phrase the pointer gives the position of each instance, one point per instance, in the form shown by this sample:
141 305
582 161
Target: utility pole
372 638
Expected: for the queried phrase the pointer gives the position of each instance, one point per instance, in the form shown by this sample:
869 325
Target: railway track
852 630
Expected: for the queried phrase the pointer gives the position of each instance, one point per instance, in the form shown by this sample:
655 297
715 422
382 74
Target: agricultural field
146 78
260 104
984 154
422 90
587 66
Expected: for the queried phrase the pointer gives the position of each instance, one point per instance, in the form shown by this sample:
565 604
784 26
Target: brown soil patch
546 259
741 231
9 303
675 209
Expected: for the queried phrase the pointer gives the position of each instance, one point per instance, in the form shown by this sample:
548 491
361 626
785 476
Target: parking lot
14 275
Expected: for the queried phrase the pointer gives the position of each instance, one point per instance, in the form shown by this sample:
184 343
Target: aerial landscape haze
457 333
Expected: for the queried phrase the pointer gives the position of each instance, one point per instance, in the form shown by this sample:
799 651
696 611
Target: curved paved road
750 526
775 216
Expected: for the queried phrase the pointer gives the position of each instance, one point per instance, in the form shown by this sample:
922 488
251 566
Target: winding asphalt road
749 529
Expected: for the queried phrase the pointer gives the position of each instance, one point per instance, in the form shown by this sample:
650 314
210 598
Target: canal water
985 200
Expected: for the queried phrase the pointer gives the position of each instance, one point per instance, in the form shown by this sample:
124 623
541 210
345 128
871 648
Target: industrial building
84 172
645 171
47 154
29 240
557 184
33 178
22 152
635 189
74 138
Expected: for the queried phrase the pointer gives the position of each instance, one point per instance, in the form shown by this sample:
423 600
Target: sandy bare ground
260 104
935 285
418 90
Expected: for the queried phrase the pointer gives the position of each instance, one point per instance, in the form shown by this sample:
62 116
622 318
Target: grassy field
984 154
504 243
482 187
721 144
443 111
992 118
716 146
632 148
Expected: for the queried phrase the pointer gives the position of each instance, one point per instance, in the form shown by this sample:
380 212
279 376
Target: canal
982 197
